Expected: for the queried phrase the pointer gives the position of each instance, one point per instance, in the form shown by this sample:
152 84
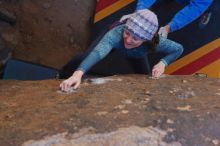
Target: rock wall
48 32
132 110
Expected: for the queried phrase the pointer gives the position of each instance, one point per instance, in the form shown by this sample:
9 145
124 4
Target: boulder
130 110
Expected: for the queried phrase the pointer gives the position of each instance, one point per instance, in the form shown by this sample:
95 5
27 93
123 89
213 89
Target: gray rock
46 5
5 55
7 16
131 136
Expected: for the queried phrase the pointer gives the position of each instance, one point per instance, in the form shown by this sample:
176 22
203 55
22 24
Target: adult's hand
74 81
164 31
123 18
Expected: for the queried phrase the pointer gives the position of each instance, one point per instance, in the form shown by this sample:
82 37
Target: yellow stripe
212 70
193 56
111 9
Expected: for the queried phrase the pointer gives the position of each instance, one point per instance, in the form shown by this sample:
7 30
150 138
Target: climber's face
131 41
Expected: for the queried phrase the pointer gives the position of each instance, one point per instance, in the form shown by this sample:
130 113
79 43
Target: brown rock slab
7 16
33 112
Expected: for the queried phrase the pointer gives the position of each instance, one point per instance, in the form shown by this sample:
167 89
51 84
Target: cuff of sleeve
166 64
138 10
81 69
172 27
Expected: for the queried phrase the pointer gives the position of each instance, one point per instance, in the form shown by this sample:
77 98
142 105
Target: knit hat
143 24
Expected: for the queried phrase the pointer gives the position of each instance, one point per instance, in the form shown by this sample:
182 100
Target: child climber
134 39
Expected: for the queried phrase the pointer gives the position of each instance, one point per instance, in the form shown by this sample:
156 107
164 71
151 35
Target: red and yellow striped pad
105 8
203 60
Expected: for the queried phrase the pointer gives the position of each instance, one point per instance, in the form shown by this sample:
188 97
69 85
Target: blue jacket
192 10
114 39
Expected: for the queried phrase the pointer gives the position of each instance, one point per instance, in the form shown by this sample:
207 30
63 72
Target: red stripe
199 63
102 4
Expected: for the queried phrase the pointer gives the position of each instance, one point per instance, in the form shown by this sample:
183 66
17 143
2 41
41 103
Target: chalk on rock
71 90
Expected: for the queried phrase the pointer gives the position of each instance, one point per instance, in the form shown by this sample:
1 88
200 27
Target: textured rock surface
59 29
131 136
172 111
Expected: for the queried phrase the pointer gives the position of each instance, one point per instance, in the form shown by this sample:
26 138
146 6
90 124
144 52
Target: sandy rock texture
118 110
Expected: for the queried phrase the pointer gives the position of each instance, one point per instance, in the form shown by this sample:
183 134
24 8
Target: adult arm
144 4
189 13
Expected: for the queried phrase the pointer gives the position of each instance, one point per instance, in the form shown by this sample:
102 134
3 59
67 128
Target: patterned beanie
143 24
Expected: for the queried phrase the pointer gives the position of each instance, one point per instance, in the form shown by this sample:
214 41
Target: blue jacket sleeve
189 13
102 49
172 49
144 4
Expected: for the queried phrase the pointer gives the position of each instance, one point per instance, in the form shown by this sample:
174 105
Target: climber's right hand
74 81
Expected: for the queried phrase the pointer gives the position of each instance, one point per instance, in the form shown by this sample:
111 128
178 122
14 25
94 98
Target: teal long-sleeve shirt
113 39
192 10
